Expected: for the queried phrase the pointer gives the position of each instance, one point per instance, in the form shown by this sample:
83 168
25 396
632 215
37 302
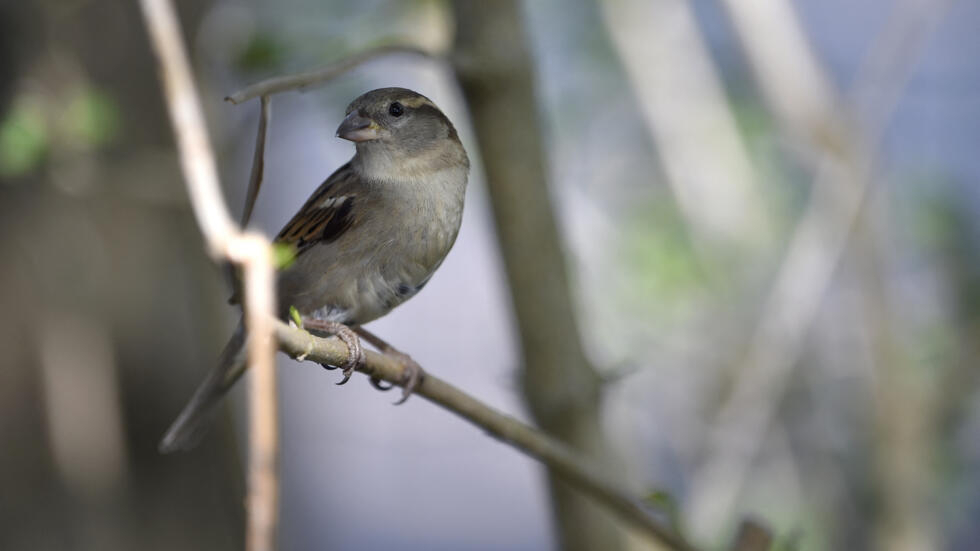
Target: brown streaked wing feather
315 223
321 219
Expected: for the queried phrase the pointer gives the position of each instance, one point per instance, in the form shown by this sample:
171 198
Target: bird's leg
355 353
412 372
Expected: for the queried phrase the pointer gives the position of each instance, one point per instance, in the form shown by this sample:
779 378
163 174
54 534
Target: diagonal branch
578 472
319 76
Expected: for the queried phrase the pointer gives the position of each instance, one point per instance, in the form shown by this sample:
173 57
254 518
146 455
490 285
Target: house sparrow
367 240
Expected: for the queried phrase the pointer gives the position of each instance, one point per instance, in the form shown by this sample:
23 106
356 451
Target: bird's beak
357 128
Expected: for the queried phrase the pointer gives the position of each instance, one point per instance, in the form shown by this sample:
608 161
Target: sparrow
367 240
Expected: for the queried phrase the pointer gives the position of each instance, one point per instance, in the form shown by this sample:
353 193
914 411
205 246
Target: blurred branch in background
907 405
793 84
846 149
561 388
249 250
683 103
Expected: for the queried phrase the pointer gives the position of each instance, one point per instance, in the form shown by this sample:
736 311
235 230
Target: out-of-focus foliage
262 53
84 119
658 254
23 139
91 119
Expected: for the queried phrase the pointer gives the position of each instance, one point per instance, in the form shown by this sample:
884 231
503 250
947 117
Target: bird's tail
187 430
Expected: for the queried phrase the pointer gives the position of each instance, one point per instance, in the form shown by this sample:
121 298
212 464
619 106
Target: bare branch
258 162
319 76
585 476
225 240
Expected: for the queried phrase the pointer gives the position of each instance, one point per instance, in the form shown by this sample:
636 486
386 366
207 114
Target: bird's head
401 126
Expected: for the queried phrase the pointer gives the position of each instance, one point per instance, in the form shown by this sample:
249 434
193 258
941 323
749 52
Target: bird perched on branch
367 240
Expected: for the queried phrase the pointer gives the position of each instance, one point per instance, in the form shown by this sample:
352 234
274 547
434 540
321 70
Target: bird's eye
396 109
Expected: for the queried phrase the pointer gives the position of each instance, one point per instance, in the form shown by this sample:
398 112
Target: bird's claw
355 352
412 375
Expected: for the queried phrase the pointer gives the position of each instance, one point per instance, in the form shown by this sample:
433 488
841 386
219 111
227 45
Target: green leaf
297 319
283 255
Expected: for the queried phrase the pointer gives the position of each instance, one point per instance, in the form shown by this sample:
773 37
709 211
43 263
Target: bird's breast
386 258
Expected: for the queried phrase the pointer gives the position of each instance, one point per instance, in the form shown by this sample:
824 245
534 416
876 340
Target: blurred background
730 249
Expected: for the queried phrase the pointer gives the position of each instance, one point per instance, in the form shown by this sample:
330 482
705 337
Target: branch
318 76
258 162
557 457
560 385
251 251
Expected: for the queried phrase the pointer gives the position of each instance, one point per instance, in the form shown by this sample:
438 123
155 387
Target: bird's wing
326 215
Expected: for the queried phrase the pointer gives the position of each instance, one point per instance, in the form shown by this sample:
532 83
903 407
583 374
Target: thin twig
225 240
318 76
556 456
258 162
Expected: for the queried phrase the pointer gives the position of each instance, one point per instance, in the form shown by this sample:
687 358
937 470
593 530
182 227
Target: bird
368 239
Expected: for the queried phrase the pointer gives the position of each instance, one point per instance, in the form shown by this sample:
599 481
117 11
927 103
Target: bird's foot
412 372
355 353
